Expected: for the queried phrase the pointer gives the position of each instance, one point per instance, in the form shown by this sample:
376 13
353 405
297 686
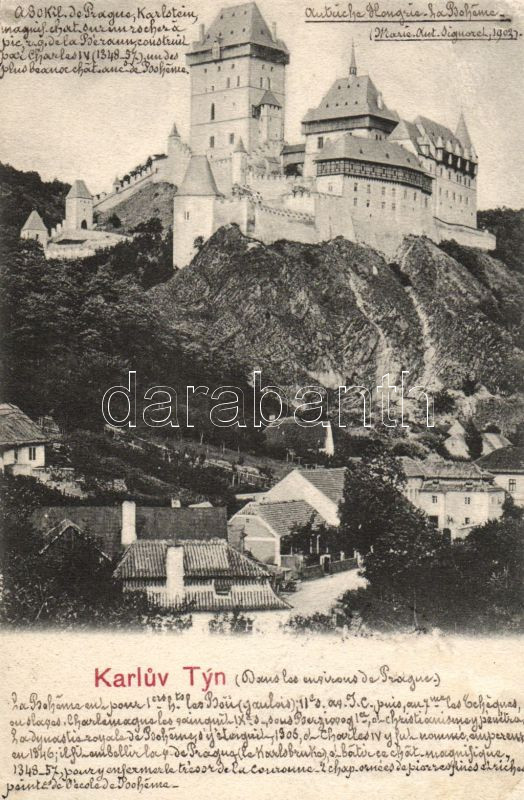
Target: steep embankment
153 200
338 313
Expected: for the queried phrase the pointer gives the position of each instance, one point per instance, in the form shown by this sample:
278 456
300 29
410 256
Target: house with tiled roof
261 528
114 528
456 496
197 575
507 465
22 442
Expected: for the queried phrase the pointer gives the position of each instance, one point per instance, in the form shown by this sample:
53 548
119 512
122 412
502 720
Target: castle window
186 214
467 520
467 501
393 206
383 205
211 141
393 191
512 485
219 68
212 112
369 188
231 138
212 88
320 142
233 66
355 201
383 191
238 80
368 203
261 83
269 83
228 83
355 187
434 498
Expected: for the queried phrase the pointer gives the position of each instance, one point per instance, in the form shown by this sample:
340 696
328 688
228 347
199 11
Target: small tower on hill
34 228
194 209
79 208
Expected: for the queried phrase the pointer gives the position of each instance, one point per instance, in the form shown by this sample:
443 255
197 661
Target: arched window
212 113
84 225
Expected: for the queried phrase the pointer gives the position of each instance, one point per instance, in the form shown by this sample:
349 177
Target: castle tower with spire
238 84
194 210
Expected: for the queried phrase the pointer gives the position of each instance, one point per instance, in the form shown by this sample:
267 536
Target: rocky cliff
338 313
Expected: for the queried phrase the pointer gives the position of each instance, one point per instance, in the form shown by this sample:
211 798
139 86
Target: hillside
153 200
21 192
337 313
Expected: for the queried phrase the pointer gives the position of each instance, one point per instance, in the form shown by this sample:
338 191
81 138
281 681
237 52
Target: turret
34 228
353 63
239 163
462 132
194 210
79 207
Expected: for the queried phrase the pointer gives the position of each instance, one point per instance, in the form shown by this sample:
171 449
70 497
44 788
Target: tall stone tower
79 208
238 84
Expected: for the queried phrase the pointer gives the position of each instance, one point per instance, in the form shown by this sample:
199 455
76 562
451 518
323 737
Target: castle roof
238 25
439 135
198 179
239 147
351 96
462 132
34 222
174 131
269 99
79 191
406 130
380 151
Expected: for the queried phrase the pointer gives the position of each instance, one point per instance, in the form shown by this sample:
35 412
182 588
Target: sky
97 127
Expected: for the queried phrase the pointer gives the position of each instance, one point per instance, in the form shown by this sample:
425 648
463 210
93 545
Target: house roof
443 470
294 148
351 96
202 559
199 179
244 597
17 429
376 151
34 222
56 533
507 459
328 481
283 516
493 441
238 25
79 190
154 522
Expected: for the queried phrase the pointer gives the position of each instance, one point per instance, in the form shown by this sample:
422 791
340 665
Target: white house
22 442
507 465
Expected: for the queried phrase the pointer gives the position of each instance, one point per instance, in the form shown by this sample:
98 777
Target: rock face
336 313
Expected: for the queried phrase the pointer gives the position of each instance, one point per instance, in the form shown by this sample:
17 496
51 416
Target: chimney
274 31
128 522
175 571
202 32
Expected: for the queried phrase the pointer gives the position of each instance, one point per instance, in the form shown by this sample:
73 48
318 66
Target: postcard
262 399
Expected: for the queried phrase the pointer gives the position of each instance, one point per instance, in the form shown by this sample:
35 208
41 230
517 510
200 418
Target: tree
372 495
473 439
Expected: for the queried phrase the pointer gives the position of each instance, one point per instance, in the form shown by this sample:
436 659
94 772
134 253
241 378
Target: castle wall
469 237
274 223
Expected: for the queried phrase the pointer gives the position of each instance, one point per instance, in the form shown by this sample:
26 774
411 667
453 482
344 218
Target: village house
22 443
200 575
457 497
507 465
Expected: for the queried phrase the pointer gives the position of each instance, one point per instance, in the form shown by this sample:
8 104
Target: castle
361 171
75 236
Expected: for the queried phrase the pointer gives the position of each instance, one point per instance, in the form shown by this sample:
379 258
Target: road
320 595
